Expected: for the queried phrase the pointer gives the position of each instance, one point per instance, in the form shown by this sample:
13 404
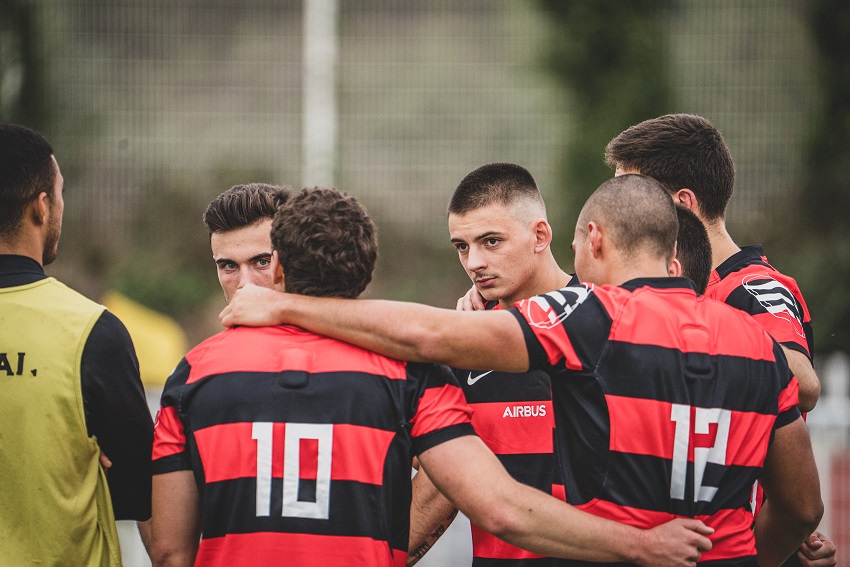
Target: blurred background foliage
154 108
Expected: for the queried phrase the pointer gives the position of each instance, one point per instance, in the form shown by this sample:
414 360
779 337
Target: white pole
319 112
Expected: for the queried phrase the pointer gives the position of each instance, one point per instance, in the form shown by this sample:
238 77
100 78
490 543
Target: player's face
243 256
57 209
497 251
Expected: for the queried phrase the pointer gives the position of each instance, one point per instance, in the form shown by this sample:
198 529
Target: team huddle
648 409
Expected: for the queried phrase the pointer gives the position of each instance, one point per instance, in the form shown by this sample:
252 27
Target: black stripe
336 397
434 438
643 481
536 469
731 382
230 508
541 562
504 386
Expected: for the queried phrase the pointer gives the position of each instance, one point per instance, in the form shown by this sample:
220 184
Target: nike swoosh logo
470 380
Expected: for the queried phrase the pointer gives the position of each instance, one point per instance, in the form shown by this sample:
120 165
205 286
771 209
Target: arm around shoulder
473 479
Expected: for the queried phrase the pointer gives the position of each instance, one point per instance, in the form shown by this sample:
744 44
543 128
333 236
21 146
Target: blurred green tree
22 69
611 58
818 245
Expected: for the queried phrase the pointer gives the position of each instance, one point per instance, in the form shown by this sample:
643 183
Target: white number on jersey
262 432
680 414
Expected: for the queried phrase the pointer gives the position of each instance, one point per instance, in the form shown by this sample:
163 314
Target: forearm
476 483
145 534
776 537
410 331
431 514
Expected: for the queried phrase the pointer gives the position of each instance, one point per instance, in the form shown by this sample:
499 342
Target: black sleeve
118 415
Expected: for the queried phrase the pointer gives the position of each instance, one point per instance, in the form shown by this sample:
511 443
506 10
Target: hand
817 551
105 462
678 543
472 301
250 306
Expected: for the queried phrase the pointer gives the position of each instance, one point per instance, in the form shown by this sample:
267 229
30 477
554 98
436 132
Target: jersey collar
659 283
746 256
19 270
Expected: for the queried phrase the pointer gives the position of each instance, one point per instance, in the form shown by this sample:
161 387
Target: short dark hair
680 151
637 212
326 242
26 170
244 205
693 248
502 183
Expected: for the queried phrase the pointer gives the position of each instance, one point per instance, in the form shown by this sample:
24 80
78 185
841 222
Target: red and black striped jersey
748 282
665 403
512 413
301 445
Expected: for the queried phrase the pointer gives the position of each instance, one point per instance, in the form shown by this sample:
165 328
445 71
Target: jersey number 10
262 433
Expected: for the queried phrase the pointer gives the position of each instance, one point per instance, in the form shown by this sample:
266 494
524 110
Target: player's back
669 402
301 446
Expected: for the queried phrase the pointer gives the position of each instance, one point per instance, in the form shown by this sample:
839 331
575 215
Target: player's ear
675 268
39 209
277 269
687 199
595 236
542 235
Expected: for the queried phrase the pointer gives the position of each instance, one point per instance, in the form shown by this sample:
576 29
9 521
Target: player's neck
722 245
30 247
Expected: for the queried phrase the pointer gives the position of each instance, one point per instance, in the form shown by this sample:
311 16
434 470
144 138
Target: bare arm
176 521
430 516
406 331
793 506
473 479
145 534
802 368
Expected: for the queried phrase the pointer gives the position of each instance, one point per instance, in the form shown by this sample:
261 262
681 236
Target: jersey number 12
680 414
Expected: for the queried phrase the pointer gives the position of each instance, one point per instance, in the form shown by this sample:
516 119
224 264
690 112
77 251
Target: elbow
808 397
812 516
502 523
806 516
164 554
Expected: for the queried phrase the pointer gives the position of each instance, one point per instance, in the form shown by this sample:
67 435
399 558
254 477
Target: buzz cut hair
244 205
502 183
681 151
638 214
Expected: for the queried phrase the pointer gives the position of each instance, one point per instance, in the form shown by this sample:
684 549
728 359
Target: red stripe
304 550
168 436
510 428
732 538
783 328
228 452
688 324
790 396
545 323
645 427
275 349
438 408
488 546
